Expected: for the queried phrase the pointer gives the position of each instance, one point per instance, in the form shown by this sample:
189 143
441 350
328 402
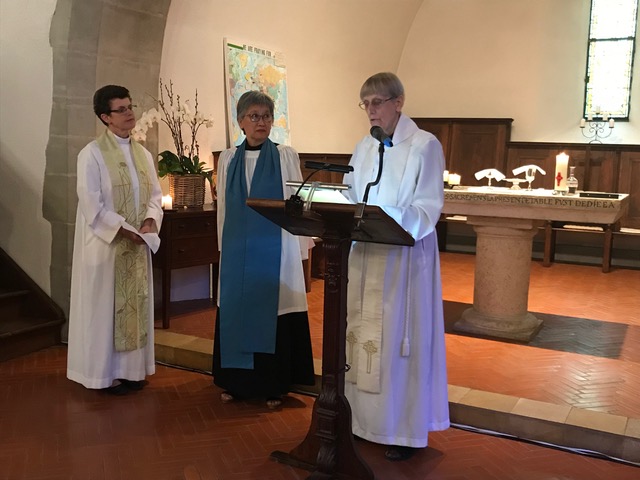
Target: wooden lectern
328 448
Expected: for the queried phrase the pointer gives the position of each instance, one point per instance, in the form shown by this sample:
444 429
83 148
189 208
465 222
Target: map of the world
252 68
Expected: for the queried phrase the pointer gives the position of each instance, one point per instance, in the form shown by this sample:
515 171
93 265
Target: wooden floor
587 355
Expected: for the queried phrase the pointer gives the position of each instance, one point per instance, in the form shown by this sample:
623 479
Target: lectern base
284 457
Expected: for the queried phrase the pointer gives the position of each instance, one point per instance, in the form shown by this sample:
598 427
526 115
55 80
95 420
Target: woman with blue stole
262 344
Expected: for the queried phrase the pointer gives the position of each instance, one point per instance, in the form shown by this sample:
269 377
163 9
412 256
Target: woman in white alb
262 343
397 383
119 198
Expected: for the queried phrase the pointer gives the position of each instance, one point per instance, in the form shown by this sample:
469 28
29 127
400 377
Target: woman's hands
148 226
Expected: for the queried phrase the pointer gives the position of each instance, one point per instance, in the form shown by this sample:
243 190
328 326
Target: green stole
131 292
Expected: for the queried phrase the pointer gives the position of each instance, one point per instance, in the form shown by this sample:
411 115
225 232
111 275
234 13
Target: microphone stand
360 206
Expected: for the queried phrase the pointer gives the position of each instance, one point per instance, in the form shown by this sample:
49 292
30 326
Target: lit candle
611 123
445 176
454 179
562 163
582 123
167 202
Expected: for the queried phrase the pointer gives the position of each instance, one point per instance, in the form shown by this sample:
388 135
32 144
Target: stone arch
94 43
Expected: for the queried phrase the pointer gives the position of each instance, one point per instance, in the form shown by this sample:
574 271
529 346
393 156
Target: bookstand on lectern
328 449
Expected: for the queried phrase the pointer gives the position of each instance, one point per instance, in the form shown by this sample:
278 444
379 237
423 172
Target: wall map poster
252 68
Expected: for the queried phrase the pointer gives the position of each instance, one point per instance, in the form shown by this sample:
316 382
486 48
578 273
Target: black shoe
133 384
398 454
120 389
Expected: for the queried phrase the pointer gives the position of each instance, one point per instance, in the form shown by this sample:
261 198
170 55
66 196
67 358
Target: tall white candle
562 164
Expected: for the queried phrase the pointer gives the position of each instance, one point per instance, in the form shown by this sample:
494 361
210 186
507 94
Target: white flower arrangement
177 115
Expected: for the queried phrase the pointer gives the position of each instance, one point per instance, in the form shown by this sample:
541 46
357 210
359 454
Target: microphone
330 167
377 133
385 140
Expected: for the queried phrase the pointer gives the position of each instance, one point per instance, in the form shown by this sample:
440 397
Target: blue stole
250 263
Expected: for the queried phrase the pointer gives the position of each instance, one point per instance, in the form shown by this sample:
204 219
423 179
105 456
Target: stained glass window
612 37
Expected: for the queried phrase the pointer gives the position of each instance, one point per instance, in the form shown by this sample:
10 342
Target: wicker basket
187 190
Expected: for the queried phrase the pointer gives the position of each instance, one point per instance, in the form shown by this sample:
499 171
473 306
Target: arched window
612 38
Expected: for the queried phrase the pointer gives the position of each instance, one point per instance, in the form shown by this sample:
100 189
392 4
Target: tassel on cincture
406 348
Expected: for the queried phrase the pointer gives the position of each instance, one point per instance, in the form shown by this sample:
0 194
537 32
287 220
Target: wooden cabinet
188 239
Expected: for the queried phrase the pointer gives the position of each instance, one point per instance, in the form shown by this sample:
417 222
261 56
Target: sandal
226 397
274 402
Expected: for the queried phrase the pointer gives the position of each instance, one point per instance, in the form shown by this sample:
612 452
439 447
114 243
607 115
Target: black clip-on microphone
384 139
294 205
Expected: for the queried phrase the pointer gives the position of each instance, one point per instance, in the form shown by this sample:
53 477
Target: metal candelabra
594 129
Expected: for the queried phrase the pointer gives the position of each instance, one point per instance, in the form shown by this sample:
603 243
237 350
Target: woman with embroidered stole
397 383
262 343
119 201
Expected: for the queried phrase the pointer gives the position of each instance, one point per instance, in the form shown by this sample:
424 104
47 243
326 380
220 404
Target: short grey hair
384 83
251 98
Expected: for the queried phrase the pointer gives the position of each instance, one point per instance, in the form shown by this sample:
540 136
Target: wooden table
188 239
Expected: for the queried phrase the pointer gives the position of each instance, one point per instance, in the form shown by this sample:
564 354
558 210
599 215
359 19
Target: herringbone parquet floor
176 428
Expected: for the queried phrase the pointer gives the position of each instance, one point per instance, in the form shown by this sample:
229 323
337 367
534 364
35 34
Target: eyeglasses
375 103
122 110
266 118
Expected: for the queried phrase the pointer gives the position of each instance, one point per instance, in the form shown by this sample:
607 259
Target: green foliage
170 164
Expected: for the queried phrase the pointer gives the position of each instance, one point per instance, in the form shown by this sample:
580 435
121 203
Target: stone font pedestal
501 283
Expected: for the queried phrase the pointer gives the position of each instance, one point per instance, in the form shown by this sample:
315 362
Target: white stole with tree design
131 288
364 316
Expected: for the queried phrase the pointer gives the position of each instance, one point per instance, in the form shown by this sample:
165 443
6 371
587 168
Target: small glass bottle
572 181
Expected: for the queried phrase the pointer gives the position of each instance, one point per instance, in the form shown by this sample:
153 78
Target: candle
605 116
582 123
590 116
562 163
454 179
445 176
611 123
167 202
597 108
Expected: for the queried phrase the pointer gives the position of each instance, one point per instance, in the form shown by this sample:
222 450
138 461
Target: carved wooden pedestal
329 448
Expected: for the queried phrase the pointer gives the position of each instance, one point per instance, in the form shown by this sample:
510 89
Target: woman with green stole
262 343
119 201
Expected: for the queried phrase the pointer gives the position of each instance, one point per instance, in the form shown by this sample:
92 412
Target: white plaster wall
25 105
524 60
330 48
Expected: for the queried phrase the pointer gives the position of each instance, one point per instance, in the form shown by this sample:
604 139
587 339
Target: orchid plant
179 116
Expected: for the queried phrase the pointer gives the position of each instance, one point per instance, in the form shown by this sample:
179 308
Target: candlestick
454 179
594 129
562 163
